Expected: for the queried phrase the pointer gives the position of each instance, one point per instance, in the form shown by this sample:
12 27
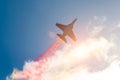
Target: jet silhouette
67 30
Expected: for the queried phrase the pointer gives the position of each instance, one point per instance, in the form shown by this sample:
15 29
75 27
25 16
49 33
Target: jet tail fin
62 37
74 21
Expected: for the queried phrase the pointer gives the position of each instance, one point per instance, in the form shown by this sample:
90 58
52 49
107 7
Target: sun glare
82 50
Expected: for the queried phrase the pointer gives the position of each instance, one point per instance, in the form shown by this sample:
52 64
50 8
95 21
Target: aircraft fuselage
67 30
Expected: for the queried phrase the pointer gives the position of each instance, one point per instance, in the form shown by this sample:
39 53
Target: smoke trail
50 51
33 70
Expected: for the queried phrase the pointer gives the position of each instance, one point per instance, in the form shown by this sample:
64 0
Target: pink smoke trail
43 58
33 70
50 51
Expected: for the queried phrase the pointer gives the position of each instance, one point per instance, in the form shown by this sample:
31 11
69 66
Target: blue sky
25 24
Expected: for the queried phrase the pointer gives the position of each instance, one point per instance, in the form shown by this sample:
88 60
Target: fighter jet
67 31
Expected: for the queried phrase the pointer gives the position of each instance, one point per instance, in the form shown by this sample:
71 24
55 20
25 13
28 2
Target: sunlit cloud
90 56
118 25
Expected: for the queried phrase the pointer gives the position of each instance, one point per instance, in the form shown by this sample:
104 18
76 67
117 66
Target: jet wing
61 26
72 36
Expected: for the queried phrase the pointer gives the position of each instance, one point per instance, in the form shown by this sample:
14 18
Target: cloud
110 73
96 30
31 71
96 26
90 56
100 19
118 25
